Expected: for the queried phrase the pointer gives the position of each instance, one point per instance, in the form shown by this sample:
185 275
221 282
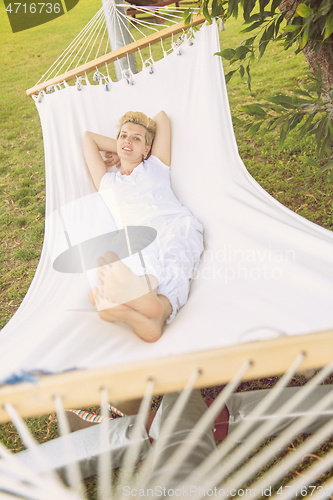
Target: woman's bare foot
121 286
148 329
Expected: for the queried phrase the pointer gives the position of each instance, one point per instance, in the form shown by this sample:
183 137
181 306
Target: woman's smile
131 142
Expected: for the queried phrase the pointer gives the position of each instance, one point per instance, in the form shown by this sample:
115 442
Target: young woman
140 195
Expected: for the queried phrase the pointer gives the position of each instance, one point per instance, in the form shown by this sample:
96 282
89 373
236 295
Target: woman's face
131 143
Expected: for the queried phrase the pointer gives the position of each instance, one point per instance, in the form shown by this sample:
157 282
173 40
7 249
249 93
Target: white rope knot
78 84
149 65
40 96
97 76
221 25
190 36
128 76
108 83
176 49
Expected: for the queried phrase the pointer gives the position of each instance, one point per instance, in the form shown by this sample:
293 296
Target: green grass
25 56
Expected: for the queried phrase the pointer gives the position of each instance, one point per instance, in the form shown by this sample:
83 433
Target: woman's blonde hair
139 118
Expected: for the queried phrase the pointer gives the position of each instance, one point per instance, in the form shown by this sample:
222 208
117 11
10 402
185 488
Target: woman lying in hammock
141 193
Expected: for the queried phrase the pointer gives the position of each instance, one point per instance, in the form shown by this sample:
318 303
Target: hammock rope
93 40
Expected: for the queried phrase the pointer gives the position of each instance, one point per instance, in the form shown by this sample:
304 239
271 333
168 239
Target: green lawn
25 57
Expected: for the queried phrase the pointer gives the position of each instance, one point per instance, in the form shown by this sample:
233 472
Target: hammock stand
134 12
253 360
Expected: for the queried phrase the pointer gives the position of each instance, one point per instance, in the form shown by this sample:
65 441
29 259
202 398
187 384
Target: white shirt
143 195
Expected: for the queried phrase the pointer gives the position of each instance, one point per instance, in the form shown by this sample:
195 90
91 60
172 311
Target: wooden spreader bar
116 54
81 388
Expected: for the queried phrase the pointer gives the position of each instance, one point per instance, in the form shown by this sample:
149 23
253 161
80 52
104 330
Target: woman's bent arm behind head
92 145
162 141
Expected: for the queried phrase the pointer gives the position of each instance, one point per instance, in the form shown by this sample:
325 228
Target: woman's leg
121 286
182 246
148 329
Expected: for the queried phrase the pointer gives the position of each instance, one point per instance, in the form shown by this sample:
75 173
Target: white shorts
172 258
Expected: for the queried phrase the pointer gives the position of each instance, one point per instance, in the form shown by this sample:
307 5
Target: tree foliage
303 108
298 24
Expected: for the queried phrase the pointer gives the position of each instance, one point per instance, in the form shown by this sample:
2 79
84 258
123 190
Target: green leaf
327 166
330 126
302 92
217 9
270 31
264 41
304 39
214 7
319 134
262 4
237 121
248 6
231 6
227 54
278 22
291 27
326 145
249 41
206 13
229 75
262 49
241 71
283 100
254 17
252 27
283 134
235 11
329 26
272 124
295 120
274 6
241 52
309 161
254 129
254 110
303 10
248 81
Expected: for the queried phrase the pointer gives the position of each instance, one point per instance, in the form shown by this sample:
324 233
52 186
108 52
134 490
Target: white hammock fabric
265 270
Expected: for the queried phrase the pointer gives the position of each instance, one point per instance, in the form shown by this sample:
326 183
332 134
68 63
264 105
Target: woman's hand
92 145
112 159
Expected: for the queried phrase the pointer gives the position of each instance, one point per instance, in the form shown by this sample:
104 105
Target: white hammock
266 272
